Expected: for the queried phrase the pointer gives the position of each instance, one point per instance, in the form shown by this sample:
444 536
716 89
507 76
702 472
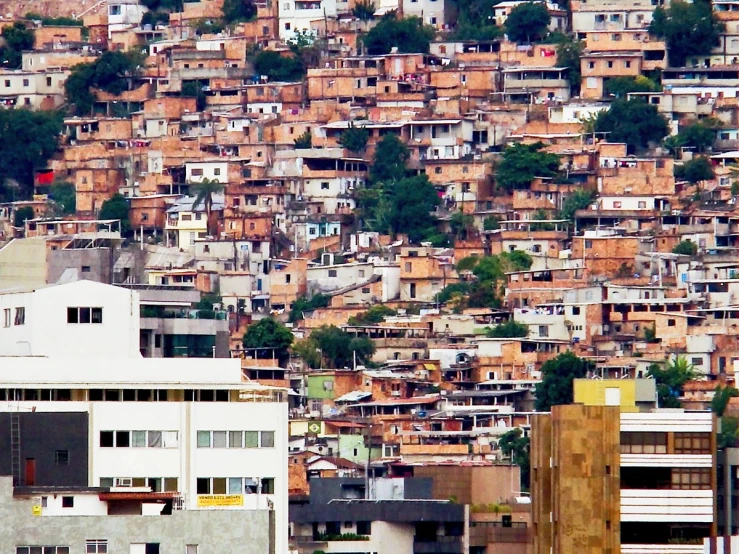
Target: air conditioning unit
123 482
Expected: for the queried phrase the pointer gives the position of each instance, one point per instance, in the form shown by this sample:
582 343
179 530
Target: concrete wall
214 531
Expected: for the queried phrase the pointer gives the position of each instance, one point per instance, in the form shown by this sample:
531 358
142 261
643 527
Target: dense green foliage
487 288
508 330
569 52
408 34
364 10
235 11
688 29
155 18
695 170
620 87
522 163
21 215
729 433
64 197
517 447
527 22
670 381
116 207
277 67
557 376
354 138
304 141
700 134
337 348
17 39
685 247
28 140
633 122
578 200
269 338
61 21
305 304
112 72
374 315
475 21
193 89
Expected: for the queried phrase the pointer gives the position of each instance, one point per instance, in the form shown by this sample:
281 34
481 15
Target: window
627 64
26 82
96 546
332 273
41 550
610 64
670 322
588 244
268 485
216 171
235 439
696 361
575 310
268 439
691 478
86 269
364 528
61 457
84 315
20 316
642 204
107 439
543 330
408 267
67 501
643 443
6 318
692 443
324 185
591 65
219 439
437 170
251 439
196 172
191 549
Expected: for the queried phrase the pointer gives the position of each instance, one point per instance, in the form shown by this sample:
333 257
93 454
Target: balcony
439 545
649 505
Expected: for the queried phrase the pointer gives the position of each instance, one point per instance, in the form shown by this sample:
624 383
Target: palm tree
203 192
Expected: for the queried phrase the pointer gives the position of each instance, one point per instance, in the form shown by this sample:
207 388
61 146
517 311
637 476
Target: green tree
622 86
558 374
508 330
721 398
569 52
578 200
695 170
305 304
521 163
193 89
204 191
236 11
116 207
269 338
468 263
688 29
543 216
21 215
729 433
633 122
450 291
527 22
113 72
17 39
304 141
686 247
54 21
515 446
491 223
354 138
462 225
389 161
700 134
276 67
670 380
339 347
155 18
413 199
28 140
364 10
408 34
374 315
209 26
307 351
64 197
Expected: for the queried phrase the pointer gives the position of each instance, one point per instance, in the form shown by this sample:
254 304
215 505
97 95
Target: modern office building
608 480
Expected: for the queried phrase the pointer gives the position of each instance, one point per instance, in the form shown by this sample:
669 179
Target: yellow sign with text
213 500
36 510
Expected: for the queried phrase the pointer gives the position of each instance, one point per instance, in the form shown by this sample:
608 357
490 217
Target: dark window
84 315
67 501
61 457
221 396
643 443
122 439
96 395
97 315
106 439
575 310
72 315
364 528
268 485
152 548
203 486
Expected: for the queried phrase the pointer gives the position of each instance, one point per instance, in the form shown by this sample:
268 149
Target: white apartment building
431 11
78 319
298 15
189 428
33 90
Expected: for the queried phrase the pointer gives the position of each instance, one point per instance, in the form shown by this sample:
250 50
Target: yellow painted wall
592 392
